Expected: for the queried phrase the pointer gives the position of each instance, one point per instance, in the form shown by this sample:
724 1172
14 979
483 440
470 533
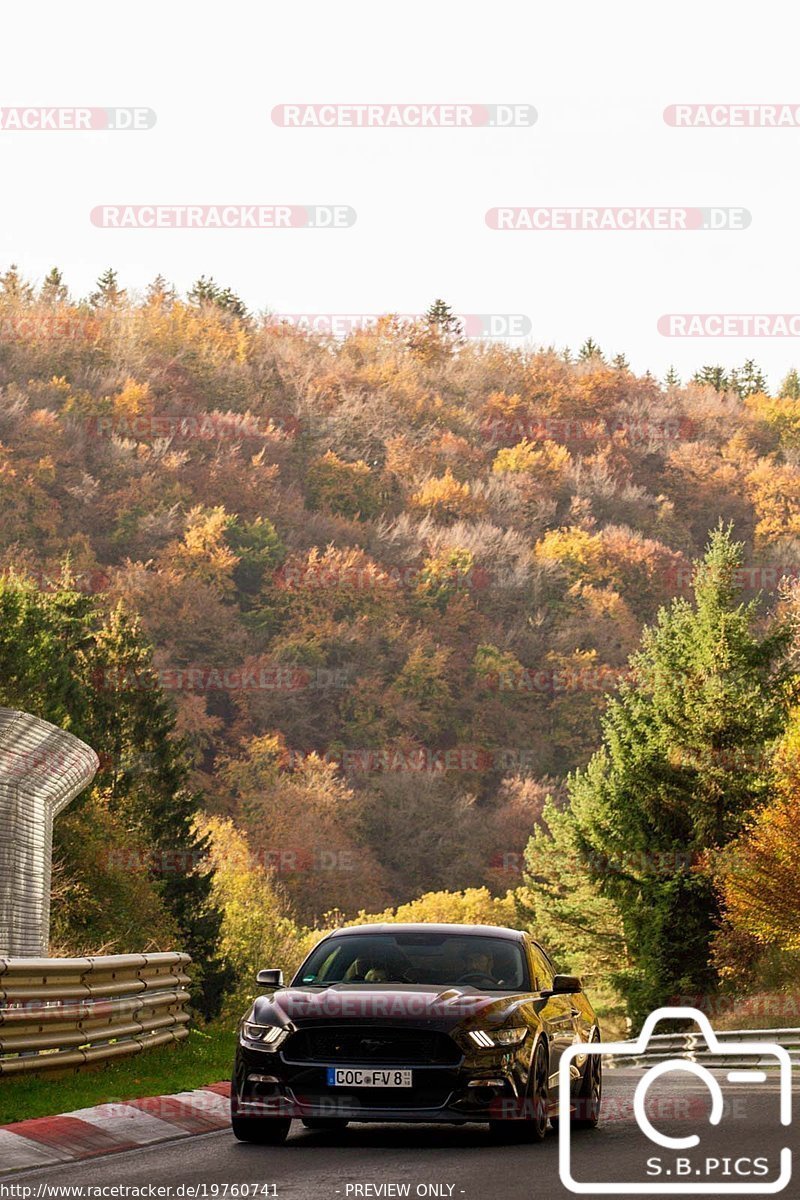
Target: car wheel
590 1096
532 1126
586 1112
329 1123
264 1131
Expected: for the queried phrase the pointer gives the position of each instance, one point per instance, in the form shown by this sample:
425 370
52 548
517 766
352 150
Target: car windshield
438 959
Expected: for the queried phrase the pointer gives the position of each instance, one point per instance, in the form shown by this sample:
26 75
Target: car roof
499 931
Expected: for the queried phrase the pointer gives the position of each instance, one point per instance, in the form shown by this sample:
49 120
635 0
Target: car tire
263 1131
329 1123
590 1096
586 1113
532 1127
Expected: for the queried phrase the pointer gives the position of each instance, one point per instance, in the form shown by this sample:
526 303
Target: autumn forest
403 619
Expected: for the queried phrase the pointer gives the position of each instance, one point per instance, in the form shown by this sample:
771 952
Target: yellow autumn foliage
446 499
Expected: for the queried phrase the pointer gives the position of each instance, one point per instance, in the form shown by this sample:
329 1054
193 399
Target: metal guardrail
691 1045
58 1013
42 769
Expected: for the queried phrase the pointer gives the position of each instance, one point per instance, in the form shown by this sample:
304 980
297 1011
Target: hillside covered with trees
403 615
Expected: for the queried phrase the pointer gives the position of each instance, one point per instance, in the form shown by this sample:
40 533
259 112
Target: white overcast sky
598 73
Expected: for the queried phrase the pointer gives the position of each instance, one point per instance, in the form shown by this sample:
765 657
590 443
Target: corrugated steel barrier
692 1046
58 1013
42 769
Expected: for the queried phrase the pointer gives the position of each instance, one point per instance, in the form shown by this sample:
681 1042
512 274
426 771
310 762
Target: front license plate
368 1077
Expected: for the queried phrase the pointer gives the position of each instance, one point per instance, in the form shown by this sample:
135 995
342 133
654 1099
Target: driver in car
480 962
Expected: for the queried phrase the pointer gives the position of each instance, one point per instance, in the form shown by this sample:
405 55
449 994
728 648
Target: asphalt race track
363 1160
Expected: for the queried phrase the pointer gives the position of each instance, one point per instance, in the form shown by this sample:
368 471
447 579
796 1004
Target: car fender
580 1059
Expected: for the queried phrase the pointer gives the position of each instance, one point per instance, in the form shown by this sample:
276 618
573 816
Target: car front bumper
490 1088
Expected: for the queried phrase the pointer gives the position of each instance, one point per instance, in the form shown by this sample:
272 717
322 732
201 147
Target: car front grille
368 1046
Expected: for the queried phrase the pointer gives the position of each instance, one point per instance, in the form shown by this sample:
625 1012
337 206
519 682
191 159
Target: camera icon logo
692 1169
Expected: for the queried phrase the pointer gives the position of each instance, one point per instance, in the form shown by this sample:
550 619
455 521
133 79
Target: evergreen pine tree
751 379
14 286
441 317
208 292
64 659
790 388
681 768
563 904
714 376
590 350
53 290
150 787
108 294
159 293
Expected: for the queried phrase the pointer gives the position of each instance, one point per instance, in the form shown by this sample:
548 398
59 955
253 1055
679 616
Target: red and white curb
111 1128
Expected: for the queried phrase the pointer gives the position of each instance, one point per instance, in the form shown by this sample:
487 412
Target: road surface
461 1162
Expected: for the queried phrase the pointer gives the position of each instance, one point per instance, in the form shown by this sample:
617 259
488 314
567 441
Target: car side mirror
565 985
270 979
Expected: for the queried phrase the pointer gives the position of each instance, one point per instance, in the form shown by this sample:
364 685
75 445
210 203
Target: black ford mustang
447 1023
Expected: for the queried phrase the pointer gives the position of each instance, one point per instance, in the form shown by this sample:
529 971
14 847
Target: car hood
396 1004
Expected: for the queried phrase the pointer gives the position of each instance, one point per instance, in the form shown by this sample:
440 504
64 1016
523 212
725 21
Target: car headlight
492 1039
269 1037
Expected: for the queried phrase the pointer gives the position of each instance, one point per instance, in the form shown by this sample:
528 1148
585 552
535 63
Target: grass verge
206 1056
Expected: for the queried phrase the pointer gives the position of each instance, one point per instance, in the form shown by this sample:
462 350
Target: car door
558 1013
